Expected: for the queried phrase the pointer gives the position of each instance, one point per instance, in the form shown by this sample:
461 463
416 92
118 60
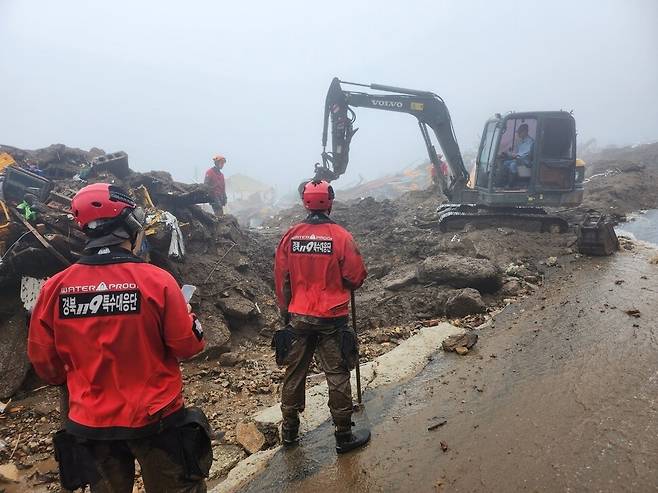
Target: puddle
642 226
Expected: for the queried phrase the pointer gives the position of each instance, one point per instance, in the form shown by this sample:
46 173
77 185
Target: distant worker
215 180
522 156
317 263
112 329
439 181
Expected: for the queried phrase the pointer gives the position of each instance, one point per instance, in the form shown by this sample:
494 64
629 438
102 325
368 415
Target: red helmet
318 196
100 208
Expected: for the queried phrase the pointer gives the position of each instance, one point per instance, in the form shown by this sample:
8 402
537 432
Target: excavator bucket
596 235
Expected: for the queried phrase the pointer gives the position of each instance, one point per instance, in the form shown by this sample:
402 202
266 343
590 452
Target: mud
558 395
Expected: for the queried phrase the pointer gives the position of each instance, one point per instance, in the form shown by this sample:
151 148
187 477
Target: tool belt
283 340
188 439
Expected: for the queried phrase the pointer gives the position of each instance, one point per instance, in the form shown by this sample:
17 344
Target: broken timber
42 240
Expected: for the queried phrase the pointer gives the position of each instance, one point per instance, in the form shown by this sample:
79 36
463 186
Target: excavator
504 189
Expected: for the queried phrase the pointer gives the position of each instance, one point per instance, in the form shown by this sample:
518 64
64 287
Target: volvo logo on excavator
386 104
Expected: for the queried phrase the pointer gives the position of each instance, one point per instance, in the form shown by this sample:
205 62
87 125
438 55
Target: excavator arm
428 108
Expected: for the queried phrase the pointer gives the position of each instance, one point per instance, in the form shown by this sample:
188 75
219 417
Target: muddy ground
237 302
559 394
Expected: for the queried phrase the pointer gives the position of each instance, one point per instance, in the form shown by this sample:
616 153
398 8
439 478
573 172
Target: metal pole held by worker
358 369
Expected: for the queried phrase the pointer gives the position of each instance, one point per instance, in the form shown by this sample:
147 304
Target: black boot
289 436
290 429
347 440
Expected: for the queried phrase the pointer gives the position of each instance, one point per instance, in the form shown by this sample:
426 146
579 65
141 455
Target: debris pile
418 276
418 273
39 238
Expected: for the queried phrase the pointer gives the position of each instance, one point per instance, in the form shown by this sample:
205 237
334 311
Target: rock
225 458
439 422
461 350
466 340
242 264
237 307
511 287
551 261
8 473
14 364
532 279
230 359
216 335
465 302
399 280
461 272
249 436
382 337
378 271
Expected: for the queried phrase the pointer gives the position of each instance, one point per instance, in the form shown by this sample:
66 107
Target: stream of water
643 227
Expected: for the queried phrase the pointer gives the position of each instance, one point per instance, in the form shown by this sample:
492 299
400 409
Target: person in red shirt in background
317 264
112 329
215 181
439 181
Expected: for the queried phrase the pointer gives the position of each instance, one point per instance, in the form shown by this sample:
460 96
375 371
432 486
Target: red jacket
215 180
113 328
318 262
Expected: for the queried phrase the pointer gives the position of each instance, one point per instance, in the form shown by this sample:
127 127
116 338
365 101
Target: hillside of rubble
417 275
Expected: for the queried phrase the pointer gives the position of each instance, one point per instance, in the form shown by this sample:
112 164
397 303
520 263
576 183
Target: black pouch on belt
348 347
282 342
77 467
195 438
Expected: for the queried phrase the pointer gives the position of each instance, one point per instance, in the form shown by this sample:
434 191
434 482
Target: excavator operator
522 156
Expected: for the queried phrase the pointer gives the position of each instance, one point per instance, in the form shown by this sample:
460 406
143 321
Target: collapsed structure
39 238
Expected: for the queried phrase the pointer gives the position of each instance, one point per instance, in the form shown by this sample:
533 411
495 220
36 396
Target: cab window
558 139
488 145
510 141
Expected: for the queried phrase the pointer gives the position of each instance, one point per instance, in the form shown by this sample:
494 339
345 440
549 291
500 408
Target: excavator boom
428 108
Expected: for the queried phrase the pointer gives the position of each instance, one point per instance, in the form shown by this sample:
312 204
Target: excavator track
456 218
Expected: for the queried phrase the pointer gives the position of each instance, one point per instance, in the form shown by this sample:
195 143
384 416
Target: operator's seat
524 172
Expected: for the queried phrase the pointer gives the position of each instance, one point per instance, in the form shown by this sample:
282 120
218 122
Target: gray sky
173 83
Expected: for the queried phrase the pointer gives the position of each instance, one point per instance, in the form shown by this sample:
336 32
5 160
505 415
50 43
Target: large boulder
237 307
465 302
216 335
461 272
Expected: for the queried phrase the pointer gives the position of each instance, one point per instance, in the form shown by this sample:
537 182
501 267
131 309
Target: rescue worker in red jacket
113 329
215 181
317 263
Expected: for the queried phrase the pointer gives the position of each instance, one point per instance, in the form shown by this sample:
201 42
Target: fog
173 83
